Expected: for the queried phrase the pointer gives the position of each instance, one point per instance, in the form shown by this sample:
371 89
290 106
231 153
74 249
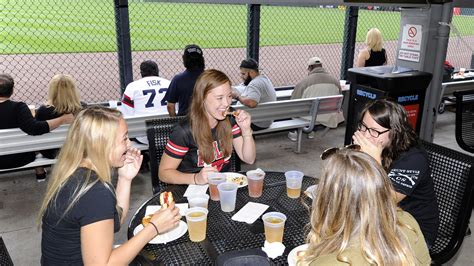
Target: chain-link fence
42 38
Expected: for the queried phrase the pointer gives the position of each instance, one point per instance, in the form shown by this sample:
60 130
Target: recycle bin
404 85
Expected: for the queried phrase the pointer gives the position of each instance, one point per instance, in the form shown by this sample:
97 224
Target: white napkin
274 249
250 212
195 190
310 191
150 209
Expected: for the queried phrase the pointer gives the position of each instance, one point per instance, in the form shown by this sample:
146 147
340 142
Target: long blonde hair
355 205
198 119
63 95
89 142
374 40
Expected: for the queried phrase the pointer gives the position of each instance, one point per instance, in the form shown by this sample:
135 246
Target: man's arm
171 109
247 101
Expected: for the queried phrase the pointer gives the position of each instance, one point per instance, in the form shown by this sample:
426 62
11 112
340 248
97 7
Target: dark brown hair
391 115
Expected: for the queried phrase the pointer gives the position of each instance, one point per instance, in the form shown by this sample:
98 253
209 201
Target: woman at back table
373 54
355 220
203 142
385 133
81 209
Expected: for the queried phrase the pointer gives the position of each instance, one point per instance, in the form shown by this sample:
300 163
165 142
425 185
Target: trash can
404 85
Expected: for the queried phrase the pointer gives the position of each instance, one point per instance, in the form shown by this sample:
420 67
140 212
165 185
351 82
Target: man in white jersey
145 96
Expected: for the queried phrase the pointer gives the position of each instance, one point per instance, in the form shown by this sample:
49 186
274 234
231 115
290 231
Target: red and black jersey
181 145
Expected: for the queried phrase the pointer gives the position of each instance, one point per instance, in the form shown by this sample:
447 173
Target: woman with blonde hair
374 54
81 209
204 141
63 98
354 218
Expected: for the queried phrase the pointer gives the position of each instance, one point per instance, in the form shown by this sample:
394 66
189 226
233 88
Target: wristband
156 228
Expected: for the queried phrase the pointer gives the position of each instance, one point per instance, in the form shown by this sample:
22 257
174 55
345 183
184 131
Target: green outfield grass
89 26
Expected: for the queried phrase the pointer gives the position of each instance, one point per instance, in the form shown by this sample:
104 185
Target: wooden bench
14 140
300 114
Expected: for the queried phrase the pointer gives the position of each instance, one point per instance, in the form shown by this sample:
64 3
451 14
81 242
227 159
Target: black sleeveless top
376 58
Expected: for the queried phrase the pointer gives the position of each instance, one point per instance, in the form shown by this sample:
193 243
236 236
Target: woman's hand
244 120
133 161
374 150
201 177
166 219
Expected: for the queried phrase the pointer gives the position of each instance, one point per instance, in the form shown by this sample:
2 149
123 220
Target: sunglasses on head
328 152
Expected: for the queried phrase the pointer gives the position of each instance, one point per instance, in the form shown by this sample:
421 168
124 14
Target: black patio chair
453 177
5 259
465 119
158 132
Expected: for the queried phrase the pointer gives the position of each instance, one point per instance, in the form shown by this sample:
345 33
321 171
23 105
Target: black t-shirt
181 90
61 236
18 115
46 113
376 58
181 145
411 175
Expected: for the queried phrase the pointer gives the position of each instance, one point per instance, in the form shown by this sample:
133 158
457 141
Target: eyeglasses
372 131
329 152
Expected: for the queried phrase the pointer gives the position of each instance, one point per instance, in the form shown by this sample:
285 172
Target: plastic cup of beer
200 200
274 225
197 223
228 196
255 183
215 179
293 183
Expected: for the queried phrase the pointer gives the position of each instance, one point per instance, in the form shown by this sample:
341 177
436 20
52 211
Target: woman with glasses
363 224
384 132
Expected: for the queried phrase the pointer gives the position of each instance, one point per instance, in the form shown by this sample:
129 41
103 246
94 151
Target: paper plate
292 254
239 179
166 237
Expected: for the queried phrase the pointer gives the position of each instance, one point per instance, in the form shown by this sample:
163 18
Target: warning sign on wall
411 39
409 56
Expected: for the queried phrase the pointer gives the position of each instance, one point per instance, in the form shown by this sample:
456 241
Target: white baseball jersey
144 97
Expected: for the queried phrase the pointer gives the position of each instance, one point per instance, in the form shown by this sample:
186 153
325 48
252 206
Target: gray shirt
261 90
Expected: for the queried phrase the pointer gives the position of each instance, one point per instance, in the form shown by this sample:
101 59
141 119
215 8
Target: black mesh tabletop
224 234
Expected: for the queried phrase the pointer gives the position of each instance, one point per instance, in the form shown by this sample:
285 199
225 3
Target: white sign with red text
409 55
411 39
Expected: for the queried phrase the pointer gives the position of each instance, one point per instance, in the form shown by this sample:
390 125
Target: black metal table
223 233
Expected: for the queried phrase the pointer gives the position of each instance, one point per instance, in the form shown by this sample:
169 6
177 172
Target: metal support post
350 31
124 47
253 31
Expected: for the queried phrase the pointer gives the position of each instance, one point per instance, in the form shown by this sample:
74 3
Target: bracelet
195 178
156 228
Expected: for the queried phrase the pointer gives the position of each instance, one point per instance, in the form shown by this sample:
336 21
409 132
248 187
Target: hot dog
166 198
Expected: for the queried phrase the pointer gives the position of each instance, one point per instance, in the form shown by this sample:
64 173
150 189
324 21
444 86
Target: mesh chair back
453 177
5 259
158 133
465 119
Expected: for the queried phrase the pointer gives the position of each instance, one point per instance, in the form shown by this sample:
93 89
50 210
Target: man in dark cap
182 85
257 89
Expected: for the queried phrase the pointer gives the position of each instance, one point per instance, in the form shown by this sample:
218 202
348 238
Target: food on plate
146 220
236 179
300 254
166 198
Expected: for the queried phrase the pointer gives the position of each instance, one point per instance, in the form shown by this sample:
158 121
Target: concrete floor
21 195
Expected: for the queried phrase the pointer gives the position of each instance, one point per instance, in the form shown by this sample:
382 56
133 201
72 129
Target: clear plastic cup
294 180
201 200
255 183
274 225
196 219
215 179
228 196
